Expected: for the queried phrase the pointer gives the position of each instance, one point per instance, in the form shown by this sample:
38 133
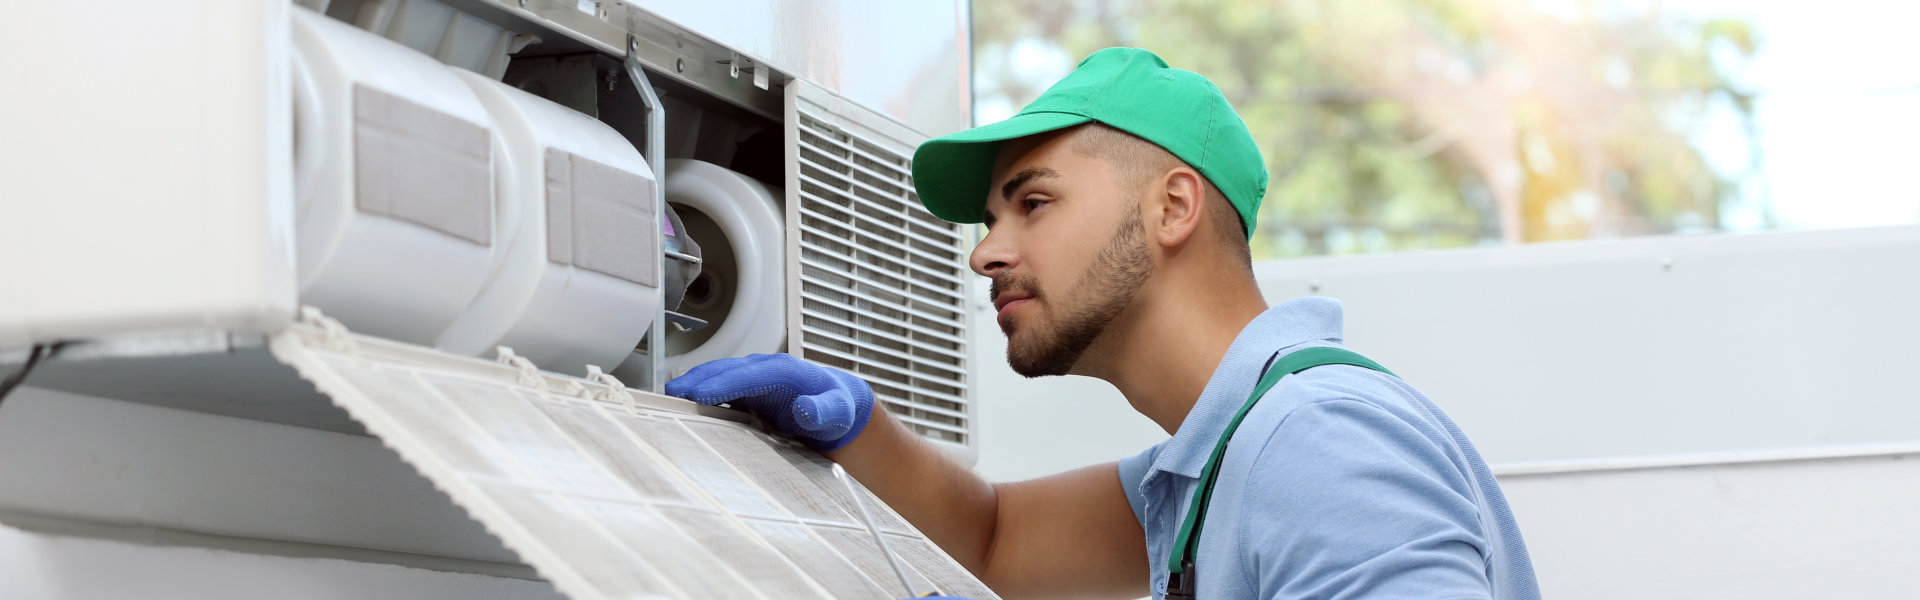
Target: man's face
1065 250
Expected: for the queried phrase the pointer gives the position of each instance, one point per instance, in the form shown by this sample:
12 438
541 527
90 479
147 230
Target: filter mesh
620 495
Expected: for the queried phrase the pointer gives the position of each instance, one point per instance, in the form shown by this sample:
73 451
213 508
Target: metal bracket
683 257
733 66
685 323
655 153
762 77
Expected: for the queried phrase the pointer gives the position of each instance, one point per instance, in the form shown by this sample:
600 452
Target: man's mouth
1007 304
1001 302
1008 292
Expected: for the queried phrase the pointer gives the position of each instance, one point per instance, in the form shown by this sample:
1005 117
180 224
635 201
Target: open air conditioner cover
611 493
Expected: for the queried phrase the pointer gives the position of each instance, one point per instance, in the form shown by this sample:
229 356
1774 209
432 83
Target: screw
679 65
523 3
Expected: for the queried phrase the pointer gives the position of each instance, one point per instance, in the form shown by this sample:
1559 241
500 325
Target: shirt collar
1290 323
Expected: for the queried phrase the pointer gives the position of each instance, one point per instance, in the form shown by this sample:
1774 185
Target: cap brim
953 173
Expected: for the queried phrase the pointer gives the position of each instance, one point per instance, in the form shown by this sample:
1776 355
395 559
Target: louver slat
882 284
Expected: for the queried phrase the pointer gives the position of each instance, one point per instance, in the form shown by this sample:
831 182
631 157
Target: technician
1118 207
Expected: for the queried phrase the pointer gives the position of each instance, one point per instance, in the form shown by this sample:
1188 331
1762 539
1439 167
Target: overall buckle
1180 585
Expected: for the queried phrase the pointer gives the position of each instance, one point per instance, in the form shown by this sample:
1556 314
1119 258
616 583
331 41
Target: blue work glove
824 407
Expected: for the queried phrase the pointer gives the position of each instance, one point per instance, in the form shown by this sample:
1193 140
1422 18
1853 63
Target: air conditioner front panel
613 493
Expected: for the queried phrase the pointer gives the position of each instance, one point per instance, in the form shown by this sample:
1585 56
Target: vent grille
881 281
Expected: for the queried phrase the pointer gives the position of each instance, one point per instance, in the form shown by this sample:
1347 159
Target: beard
1053 343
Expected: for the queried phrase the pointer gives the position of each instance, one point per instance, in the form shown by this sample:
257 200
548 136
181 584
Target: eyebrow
1013 184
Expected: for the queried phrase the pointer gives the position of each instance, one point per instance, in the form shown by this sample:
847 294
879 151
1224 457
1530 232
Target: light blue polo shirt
1342 483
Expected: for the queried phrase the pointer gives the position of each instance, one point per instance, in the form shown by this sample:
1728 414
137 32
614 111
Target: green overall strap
1184 544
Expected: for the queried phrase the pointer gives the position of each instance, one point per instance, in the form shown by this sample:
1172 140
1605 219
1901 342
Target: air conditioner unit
469 174
604 194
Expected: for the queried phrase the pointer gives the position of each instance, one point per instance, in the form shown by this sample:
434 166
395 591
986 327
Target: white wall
1647 346
1841 527
1685 356
1034 427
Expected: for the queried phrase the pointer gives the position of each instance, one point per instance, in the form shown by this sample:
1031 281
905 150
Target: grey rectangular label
423 166
601 218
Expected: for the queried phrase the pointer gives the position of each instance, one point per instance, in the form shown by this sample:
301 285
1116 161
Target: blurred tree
1406 124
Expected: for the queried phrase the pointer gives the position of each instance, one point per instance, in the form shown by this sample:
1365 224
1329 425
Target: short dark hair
1136 160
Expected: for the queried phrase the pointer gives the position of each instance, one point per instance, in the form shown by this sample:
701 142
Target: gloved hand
824 407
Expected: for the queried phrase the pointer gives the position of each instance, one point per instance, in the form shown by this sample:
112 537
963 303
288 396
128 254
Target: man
1118 207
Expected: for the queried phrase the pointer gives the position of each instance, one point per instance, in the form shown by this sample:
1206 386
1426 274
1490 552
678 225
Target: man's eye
1032 203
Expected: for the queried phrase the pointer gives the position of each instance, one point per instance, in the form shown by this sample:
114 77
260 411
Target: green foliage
1407 124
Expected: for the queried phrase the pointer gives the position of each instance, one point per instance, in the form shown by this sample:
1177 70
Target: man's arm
1070 535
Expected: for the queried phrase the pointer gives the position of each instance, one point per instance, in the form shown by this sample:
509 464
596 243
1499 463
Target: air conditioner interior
700 126
862 279
722 166
720 285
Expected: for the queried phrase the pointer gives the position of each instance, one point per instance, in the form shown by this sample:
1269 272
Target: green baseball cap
1129 89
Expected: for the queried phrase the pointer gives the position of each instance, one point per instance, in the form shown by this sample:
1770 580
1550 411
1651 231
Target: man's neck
1162 352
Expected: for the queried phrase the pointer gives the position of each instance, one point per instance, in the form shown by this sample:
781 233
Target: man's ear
1182 208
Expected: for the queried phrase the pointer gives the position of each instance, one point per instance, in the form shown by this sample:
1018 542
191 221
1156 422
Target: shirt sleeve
1133 470
1348 501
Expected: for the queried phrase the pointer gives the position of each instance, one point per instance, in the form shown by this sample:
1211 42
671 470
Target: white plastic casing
561 316
750 217
377 273
144 190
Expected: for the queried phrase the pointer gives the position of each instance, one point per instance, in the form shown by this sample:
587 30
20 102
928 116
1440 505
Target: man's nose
995 254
